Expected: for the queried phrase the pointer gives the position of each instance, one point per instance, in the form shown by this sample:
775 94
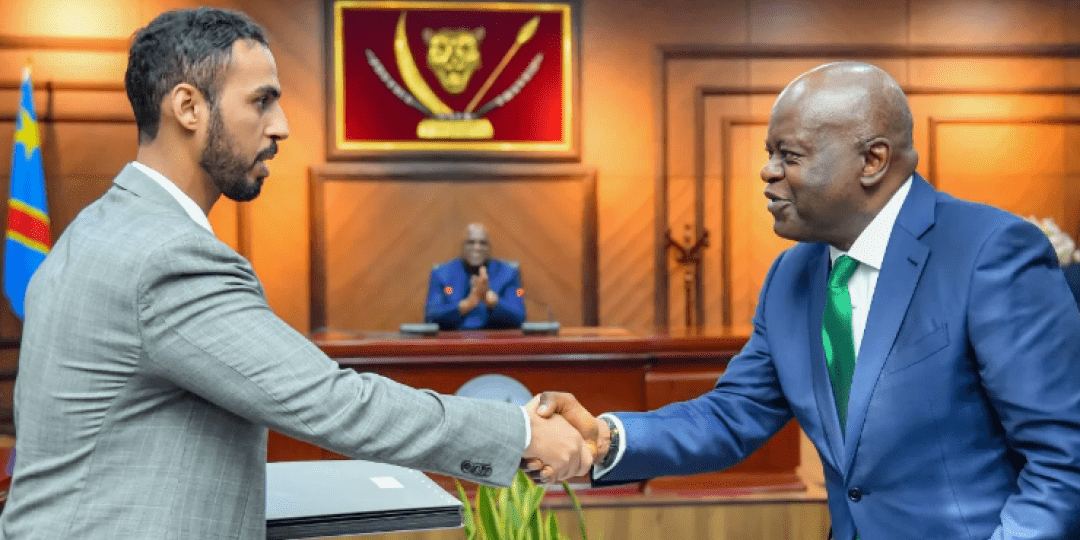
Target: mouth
259 167
776 203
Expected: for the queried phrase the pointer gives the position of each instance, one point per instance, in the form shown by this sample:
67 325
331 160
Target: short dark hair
191 46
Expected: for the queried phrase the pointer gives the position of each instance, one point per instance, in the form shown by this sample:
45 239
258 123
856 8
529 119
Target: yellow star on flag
27 133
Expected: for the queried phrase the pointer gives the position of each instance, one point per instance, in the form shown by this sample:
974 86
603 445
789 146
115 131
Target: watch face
497 387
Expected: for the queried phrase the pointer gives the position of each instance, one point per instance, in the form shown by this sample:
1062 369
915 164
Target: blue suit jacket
964 415
449 284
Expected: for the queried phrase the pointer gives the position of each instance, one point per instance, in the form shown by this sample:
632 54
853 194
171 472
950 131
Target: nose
772 171
278 128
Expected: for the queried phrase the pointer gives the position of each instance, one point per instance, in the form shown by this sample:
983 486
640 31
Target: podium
316 499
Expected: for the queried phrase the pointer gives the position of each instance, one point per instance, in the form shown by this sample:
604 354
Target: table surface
601 342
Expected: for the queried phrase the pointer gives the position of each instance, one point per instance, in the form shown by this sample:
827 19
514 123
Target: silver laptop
316 499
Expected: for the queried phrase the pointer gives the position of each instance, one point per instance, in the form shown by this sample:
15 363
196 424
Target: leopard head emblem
454 55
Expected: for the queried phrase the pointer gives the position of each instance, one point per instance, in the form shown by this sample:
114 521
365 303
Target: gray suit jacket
151 367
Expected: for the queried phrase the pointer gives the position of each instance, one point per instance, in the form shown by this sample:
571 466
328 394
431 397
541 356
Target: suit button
855 494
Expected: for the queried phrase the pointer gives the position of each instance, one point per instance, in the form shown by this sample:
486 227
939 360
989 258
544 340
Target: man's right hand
480 285
594 431
478 289
557 445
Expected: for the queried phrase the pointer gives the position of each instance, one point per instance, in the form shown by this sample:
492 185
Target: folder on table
314 499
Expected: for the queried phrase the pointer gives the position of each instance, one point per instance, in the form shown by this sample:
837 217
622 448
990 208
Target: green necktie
836 333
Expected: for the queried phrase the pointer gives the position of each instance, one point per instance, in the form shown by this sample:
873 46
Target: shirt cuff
597 473
528 428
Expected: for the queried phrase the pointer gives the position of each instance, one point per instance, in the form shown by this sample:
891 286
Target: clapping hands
566 438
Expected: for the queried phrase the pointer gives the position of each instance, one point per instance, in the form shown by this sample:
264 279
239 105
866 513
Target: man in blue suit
475 291
928 346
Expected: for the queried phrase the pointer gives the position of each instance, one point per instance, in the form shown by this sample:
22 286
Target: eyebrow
268 90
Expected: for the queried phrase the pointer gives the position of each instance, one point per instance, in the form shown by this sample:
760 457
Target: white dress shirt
193 211
869 250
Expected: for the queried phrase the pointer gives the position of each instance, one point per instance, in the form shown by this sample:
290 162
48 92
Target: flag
28 237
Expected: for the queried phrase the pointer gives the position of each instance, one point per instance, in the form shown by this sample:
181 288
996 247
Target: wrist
491 299
466 304
607 446
603 440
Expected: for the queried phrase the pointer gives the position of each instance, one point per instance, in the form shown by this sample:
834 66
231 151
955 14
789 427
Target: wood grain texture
1026 160
382 228
626 291
733 519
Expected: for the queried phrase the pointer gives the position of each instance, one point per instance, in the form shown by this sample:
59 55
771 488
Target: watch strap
613 445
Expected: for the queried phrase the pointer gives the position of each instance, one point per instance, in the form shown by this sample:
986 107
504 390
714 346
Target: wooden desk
608 369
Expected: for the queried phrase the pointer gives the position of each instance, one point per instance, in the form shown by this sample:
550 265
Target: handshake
566 438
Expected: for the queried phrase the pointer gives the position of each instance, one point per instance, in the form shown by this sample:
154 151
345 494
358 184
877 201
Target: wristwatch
613 445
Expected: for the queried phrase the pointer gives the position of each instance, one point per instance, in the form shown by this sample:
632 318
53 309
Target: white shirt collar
869 247
193 211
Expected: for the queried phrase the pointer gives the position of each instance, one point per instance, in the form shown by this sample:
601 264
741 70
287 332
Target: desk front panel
605 369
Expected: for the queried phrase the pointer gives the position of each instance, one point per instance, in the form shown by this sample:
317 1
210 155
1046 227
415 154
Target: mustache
266 153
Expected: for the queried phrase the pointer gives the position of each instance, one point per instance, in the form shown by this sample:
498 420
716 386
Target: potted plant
514 513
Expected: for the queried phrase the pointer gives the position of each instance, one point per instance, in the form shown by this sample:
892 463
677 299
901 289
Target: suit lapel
823 393
137 182
905 258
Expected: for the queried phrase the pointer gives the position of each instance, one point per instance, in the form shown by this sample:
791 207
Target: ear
426 34
479 34
186 104
877 154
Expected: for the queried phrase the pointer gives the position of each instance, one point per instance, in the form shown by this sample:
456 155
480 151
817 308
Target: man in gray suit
151 365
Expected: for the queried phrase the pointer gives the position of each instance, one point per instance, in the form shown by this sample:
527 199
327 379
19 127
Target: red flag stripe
28 226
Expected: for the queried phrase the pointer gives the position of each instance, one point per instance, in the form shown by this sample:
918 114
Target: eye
789 158
265 101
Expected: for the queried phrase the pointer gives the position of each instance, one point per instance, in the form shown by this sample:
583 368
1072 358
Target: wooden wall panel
626 232
975 22
49 17
746 244
385 236
753 245
382 230
837 21
1017 164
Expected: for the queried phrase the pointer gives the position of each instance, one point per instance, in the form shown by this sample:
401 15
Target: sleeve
1025 331
440 307
206 327
712 432
618 449
509 311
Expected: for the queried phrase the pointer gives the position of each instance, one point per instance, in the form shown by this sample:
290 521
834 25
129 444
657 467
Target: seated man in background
475 291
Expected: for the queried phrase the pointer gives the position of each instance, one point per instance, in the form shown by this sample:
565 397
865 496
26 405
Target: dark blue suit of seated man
475 291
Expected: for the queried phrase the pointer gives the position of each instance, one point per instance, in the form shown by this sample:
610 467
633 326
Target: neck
181 167
472 269
877 199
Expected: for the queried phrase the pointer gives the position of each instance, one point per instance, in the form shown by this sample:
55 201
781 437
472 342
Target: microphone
551 326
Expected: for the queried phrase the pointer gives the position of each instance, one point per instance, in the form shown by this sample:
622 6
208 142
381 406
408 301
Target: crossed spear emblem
420 96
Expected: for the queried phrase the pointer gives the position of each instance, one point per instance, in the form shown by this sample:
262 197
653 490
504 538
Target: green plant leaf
536 527
490 517
530 506
553 527
511 505
468 520
577 507
510 500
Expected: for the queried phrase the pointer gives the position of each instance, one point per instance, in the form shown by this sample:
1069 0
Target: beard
226 168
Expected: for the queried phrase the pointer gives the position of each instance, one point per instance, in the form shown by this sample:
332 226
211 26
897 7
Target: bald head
476 249
839 147
852 99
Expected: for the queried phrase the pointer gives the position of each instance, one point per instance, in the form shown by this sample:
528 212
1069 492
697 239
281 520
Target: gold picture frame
499 80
